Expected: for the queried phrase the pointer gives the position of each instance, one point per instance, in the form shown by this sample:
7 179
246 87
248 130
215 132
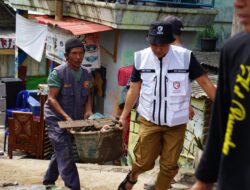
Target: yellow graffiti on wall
237 111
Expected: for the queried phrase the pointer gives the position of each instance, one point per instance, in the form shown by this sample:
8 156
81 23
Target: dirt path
30 172
92 176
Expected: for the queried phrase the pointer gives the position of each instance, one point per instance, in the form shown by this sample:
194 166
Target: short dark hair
176 24
73 43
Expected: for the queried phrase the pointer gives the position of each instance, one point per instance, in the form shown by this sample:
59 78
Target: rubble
7 184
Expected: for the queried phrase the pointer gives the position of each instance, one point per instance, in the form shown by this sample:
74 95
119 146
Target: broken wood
75 124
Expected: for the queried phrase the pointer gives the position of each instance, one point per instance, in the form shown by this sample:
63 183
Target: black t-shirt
195 70
226 158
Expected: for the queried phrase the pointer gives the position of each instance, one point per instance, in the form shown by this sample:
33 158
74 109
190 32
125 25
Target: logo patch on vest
176 85
67 85
86 84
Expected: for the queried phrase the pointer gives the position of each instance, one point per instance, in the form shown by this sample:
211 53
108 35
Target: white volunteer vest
166 88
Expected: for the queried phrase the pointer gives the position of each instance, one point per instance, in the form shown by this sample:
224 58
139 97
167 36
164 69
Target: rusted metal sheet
74 25
198 92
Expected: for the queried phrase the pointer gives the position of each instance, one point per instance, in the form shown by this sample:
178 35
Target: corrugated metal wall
7 66
37 68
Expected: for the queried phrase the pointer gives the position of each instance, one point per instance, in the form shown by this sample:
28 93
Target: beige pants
155 140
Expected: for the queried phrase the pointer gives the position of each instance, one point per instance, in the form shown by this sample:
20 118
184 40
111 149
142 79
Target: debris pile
104 124
97 140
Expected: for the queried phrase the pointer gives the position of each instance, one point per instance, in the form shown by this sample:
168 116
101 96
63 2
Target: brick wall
197 129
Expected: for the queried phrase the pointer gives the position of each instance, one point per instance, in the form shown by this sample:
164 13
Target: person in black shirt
177 27
161 78
226 158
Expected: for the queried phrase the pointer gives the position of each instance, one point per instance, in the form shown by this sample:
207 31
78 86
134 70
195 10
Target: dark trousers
62 162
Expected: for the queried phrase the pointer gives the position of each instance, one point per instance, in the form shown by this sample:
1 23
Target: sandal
122 186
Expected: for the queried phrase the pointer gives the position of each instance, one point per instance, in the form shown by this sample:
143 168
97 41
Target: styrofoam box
2 118
2 89
2 104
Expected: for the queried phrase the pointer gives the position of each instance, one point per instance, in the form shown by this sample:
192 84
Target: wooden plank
7 51
116 45
58 10
75 124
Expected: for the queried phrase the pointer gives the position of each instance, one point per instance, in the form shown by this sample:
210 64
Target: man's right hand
199 185
67 118
191 112
123 122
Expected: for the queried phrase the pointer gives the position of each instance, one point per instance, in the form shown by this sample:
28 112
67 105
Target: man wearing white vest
177 26
161 78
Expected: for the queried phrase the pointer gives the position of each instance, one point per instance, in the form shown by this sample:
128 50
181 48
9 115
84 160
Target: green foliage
209 32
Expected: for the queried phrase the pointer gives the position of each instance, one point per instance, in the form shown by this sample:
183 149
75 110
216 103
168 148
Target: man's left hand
191 112
87 114
123 122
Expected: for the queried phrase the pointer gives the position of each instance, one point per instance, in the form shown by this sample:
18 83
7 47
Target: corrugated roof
208 58
198 92
76 26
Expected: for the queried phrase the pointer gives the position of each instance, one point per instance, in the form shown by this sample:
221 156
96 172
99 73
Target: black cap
160 32
176 24
73 43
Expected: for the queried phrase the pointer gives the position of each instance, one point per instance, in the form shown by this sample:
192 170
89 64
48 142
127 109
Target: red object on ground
124 74
22 74
126 137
